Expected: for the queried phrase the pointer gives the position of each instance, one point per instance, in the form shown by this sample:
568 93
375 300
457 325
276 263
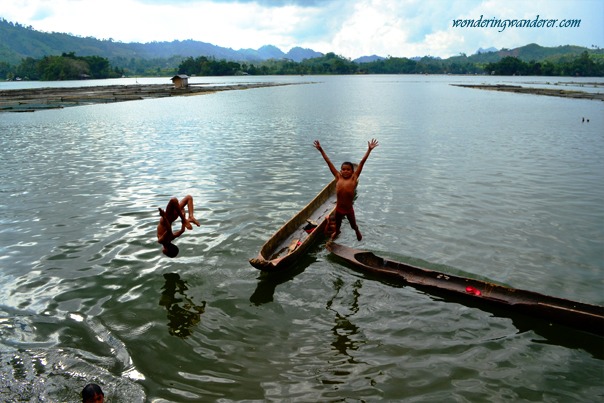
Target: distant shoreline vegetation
68 66
28 54
582 65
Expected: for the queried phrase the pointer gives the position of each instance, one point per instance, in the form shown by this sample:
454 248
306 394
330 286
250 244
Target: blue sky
350 28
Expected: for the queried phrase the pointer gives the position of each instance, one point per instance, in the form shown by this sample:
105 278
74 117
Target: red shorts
344 212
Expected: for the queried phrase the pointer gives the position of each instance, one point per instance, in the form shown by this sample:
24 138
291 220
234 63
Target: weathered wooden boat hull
286 246
574 314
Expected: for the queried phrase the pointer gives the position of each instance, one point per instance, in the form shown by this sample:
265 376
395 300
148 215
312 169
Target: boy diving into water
174 209
347 180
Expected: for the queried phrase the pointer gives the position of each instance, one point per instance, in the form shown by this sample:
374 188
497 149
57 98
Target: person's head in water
170 250
92 393
347 170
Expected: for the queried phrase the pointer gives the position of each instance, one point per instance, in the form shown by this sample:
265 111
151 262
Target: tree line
68 66
327 64
583 65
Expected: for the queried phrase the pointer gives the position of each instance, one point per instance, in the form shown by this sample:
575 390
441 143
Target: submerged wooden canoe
574 314
294 238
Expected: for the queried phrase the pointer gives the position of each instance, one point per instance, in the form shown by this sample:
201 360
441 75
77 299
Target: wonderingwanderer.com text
520 23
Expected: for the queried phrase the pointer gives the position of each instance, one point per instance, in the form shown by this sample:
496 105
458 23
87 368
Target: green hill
528 53
18 42
22 48
534 52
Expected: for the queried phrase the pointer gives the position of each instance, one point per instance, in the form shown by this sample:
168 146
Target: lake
503 187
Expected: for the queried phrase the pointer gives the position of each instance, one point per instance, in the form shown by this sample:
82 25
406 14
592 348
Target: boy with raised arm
347 180
174 209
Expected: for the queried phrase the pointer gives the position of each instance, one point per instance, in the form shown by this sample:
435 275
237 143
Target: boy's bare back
174 210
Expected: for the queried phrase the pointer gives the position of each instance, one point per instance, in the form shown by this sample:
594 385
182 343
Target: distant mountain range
18 42
489 50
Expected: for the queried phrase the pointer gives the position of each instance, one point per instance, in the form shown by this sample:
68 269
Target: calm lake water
496 186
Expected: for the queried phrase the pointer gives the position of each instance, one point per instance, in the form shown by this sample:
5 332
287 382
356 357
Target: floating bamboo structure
33 99
537 91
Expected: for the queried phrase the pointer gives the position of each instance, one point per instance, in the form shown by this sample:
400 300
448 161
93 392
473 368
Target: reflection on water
183 313
503 187
268 281
344 330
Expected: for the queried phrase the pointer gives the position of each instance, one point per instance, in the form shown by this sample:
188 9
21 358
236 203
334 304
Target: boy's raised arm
332 168
370 146
180 231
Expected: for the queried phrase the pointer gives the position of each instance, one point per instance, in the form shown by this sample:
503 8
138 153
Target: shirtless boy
174 209
347 180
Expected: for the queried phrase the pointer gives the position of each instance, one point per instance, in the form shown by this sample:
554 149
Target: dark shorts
340 214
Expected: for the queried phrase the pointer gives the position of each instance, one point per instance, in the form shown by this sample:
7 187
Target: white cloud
350 28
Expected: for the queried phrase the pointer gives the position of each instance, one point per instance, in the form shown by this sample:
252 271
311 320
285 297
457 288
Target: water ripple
512 197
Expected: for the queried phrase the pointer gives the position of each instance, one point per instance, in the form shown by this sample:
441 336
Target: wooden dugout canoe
292 240
573 314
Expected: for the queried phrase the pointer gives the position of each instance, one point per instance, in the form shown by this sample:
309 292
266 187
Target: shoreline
598 96
34 99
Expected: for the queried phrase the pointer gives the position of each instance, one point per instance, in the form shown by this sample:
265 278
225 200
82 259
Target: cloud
351 28
263 3
589 12
42 13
